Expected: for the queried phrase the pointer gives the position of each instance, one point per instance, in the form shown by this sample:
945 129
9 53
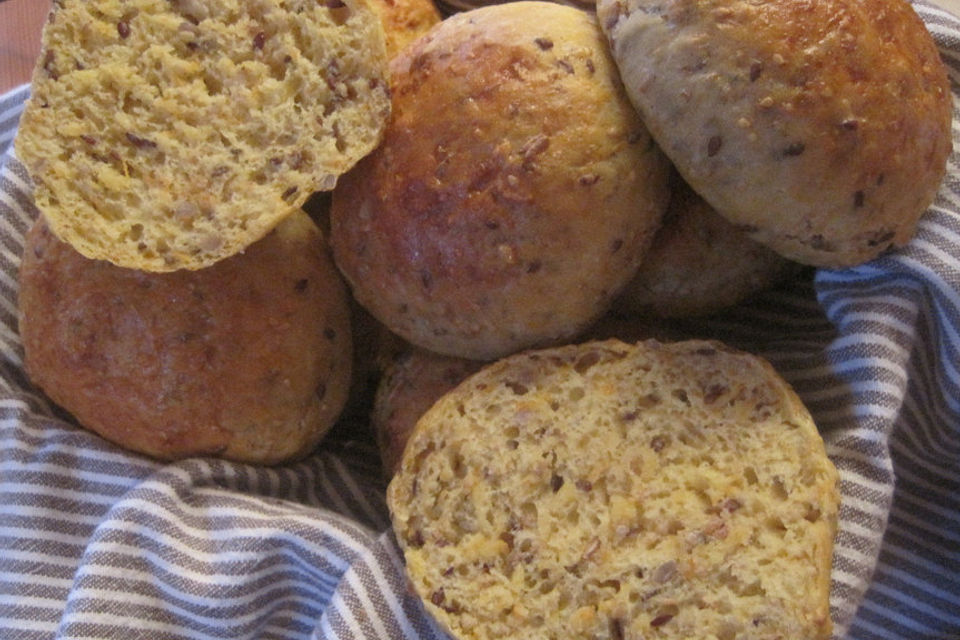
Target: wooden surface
952 5
20 24
22 20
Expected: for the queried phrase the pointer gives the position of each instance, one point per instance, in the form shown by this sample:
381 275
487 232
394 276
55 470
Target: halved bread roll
615 491
169 134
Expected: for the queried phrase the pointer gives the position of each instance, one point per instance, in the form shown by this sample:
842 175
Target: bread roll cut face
169 134
615 491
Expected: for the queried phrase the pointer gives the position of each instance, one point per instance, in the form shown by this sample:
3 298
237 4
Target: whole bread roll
615 491
497 215
248 359
168 134
699 263
821 129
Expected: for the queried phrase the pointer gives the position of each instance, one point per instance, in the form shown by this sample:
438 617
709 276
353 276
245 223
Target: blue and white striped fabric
98 543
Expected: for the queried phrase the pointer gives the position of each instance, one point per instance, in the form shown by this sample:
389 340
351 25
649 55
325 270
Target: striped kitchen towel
96 542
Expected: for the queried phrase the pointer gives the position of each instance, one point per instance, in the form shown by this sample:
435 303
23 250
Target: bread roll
168 134
404 21
616 491
248 359
453 6
496 215
411 383
699 264
821 129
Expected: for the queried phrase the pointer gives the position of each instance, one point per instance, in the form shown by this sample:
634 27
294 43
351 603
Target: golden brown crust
410 385
495 215
404 21
452 6
699 263
821 128
248 359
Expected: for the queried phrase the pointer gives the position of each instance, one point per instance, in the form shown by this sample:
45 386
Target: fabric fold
99 542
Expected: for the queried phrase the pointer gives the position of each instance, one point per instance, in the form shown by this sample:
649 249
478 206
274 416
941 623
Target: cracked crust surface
617 491
168 134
